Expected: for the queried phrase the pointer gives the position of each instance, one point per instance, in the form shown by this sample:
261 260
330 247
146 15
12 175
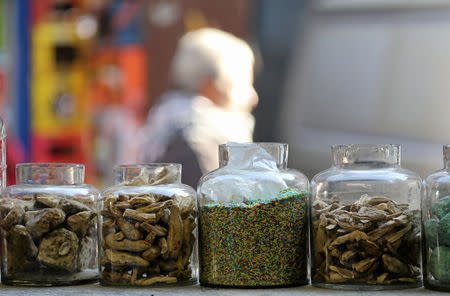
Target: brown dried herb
372 241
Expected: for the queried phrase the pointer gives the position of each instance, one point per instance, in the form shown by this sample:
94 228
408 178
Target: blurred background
78 77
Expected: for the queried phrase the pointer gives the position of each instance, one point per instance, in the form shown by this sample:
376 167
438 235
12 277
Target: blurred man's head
216 65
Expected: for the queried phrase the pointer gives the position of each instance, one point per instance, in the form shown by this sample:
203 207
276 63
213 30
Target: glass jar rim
365 145
150 165
361 154
49 165
50 173
248 144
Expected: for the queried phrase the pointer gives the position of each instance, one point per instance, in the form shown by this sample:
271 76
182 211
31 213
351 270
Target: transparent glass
253 219
49 227
2 156
436 227
148 227
365 221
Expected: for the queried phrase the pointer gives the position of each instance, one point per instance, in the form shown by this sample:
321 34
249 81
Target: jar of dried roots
148 227
365 221
49 226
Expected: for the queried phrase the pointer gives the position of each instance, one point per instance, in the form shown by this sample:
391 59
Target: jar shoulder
166 189
80 189
440 176
335 174
287 174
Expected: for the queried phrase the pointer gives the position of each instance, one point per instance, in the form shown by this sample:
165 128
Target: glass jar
436 227
2 156
148 227
253 219
49 226
365 221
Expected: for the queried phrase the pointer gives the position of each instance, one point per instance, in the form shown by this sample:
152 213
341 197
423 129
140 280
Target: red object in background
14 154
39 10
132 60
64 148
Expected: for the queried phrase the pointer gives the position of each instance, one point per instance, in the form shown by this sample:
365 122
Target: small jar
365 221
436 227
49 227
148 227
253 219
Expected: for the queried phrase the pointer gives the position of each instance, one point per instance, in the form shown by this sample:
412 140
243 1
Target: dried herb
47 235
147 239
371 241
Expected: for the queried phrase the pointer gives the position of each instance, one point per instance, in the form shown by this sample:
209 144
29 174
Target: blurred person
209 102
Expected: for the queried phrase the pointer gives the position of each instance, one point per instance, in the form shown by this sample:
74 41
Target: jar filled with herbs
148 227
365 221
49 226
436 227
253 219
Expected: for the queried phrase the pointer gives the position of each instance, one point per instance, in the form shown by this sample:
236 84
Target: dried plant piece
175 235
125 244
162 243
396 236
155 207
150 238
138 216
351 237
117 258
48 201
21 250
163 176
142 200
118 236
187 206
152 253
46 220
14 217
181 274
394 265
158 230
122 205
129 230
167 265
71 207
79 222
373 200
364 265
382 278
345 273
156 280
59 249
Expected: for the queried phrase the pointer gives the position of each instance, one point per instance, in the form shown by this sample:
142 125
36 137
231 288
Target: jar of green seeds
436 227
253 219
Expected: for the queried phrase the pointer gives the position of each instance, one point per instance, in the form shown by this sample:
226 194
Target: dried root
147 239
367 242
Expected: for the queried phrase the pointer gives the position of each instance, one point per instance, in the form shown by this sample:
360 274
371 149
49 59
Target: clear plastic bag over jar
148 227
49 226
253 219
436 227
2 156
365 221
